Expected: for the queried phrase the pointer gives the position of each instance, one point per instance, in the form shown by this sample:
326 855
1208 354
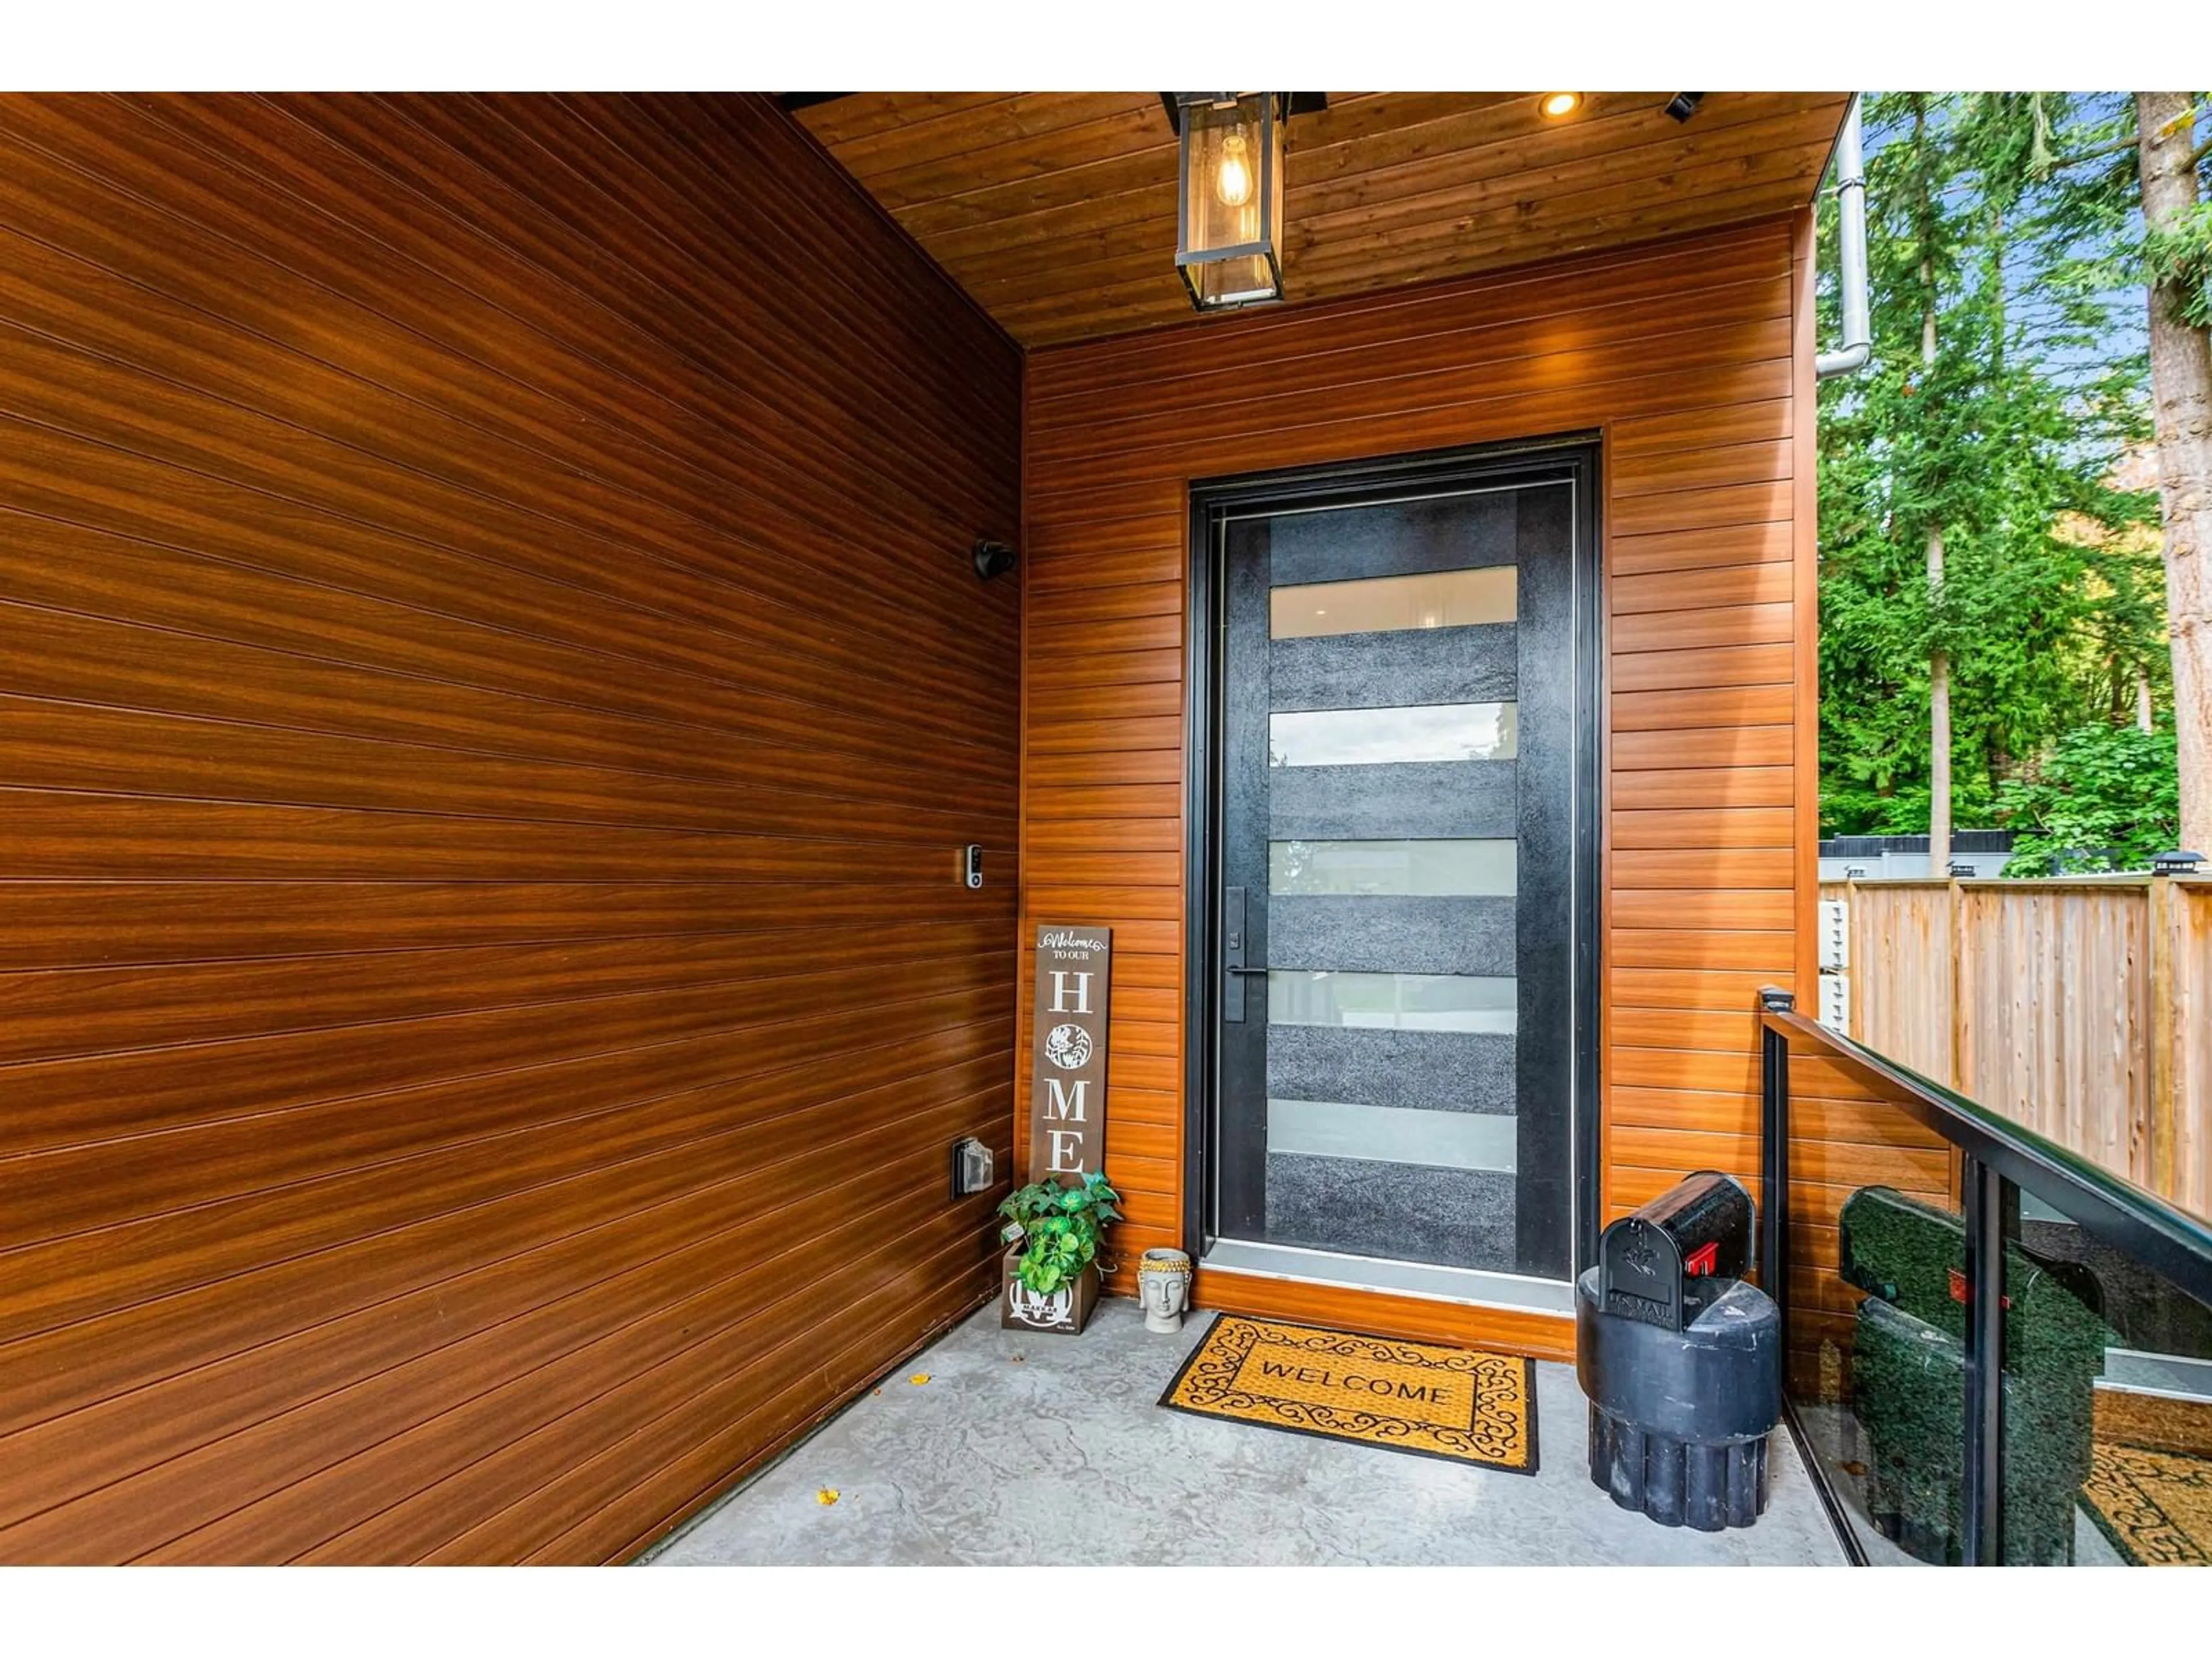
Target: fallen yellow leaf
828 1495
919 1379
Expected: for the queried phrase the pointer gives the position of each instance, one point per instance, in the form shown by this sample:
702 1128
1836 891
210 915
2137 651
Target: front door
1399 761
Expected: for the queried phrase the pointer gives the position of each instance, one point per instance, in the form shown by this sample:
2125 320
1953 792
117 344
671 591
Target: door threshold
1468 1286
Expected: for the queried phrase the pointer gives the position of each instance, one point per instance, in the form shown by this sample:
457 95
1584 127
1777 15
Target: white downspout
1852 268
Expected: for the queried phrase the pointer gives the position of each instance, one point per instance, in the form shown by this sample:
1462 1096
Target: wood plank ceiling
1057 210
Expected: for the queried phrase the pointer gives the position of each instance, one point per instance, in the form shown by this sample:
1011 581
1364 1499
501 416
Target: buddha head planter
1163 1287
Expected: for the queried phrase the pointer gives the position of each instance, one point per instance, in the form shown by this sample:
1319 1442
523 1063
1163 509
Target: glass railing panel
2107 1401
1876 1323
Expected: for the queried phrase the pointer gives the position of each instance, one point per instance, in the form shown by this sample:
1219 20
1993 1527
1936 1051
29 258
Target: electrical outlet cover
972 1166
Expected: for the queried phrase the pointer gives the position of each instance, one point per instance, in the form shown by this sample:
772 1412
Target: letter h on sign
1067 1069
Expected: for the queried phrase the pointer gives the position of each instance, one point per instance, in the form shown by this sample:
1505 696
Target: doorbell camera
971 864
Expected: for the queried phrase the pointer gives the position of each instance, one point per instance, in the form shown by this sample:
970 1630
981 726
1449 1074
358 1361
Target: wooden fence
2081 1007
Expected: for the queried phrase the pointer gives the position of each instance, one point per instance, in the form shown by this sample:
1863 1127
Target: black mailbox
1674 1257
1681 1359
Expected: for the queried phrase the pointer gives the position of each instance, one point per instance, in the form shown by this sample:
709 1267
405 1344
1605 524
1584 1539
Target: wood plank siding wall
493 691
1693 359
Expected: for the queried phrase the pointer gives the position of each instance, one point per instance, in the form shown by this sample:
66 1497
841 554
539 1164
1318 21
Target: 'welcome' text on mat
1407 1396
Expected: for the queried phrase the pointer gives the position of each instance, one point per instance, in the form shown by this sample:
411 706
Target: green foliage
2006 442
2107 799
2180 254
2089 169
1062 1227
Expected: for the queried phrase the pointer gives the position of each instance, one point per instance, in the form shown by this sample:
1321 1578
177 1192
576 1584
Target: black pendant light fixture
1229 203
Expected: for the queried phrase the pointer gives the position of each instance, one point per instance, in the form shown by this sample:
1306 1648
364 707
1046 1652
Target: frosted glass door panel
1404 869
1399 1002
1443 599
1389 736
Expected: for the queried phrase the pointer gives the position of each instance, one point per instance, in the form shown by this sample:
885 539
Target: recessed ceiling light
1556 105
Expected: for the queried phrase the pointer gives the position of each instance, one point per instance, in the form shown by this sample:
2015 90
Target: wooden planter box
1063 1313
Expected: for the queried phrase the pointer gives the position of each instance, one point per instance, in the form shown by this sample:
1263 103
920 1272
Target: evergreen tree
2130 177
1974 547
2178 258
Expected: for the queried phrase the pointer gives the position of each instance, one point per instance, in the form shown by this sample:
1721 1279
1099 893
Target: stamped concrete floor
974 1467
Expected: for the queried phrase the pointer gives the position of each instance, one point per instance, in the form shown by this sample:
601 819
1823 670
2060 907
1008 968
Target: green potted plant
1053 1231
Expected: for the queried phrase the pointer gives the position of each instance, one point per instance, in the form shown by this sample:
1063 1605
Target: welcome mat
1452 1403
2155 1506
2150 1488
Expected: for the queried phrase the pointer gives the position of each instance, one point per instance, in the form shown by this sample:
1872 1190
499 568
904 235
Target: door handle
1232 955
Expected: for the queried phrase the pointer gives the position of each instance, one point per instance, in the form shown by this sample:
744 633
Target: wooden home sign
1067 1071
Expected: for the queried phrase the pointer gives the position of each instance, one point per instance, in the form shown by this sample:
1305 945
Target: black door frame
1571 456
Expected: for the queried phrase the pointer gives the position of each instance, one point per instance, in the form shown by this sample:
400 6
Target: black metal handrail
2174 1243
1996 1154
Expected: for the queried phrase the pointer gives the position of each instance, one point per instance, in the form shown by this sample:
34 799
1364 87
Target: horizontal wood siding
494 690
1687 358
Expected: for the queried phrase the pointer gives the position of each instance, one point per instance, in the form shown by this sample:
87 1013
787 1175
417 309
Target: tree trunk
1939 660
2144 720
1939 729
2181 398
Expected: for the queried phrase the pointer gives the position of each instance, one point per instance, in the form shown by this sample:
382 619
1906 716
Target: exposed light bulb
1232 180
1557 104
